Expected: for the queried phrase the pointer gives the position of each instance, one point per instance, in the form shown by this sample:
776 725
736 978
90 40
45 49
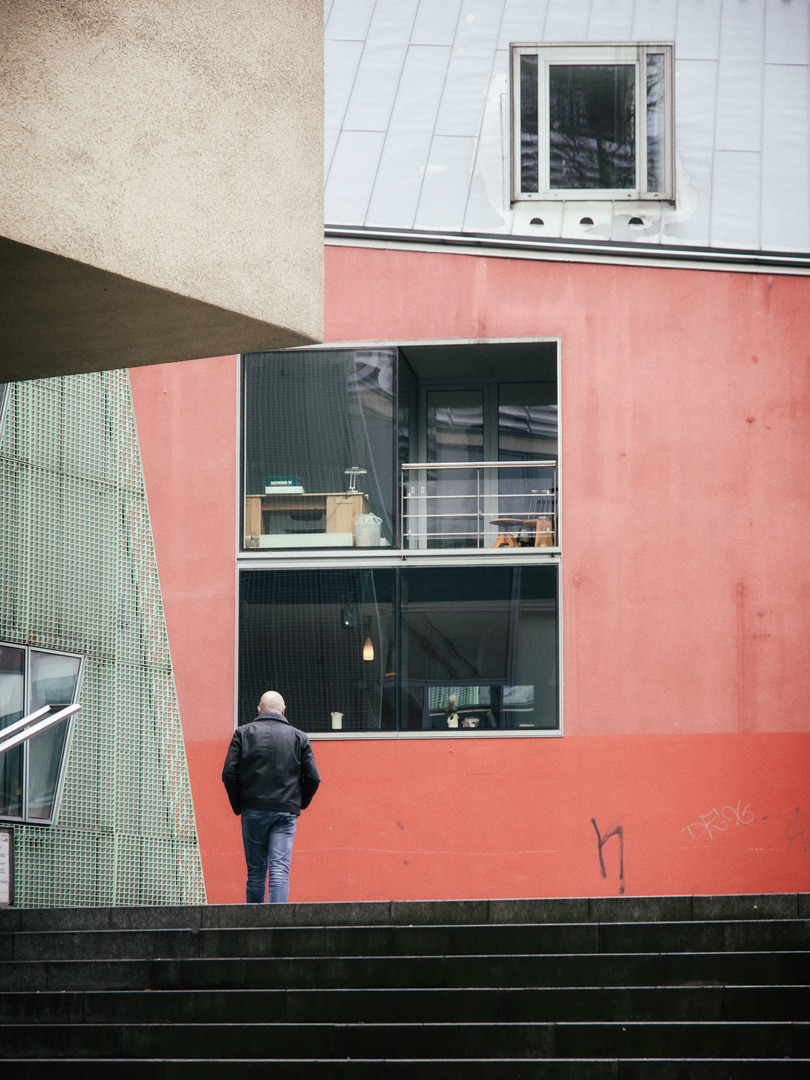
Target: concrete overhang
162 170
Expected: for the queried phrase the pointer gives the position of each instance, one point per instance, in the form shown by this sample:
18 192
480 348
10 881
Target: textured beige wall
175 145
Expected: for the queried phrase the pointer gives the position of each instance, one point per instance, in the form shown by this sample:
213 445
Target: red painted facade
684 403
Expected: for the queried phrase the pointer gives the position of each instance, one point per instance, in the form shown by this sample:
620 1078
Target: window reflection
30 773
12 691
484 637
592 126
53 679
312 419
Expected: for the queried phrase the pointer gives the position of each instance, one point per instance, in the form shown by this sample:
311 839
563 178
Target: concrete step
552 1004
345 941
359 972
369 1040
411 1068
605 909
667 987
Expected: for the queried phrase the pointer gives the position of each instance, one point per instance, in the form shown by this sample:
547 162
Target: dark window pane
12 708
656 122
310 417
486 637
331 643
53 682
592 126
305 633
528 124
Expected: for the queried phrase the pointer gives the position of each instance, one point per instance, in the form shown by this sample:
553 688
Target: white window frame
588 55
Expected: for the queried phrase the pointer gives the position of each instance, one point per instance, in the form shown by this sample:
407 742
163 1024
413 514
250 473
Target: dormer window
592 122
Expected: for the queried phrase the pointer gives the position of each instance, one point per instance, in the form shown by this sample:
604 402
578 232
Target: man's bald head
272 701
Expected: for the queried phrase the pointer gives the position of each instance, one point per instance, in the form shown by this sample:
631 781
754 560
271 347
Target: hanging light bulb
368 649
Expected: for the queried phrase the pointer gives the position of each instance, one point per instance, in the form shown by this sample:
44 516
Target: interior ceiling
517 361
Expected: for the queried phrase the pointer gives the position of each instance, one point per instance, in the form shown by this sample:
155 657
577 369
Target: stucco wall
177 148
685 399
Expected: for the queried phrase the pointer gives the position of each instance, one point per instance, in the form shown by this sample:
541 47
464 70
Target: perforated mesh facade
78 573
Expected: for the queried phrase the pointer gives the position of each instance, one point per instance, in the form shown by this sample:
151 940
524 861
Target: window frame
252 559
588 55
25 818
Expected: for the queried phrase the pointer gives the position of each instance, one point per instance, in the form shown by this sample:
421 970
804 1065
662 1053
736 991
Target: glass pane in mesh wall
12 699
324 639
309 417
337 648
592 126
53 682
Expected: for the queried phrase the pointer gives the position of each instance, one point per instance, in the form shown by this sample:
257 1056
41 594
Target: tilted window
31 774
592 122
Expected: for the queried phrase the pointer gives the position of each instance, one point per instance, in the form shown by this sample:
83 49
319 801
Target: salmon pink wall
685 400
507 818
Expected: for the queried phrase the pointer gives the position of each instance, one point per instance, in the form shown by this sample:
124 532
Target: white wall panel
567 20
354 168
739 105
523 20
735 199
698 30
436 23
393 21
407 144
655 20
446 184
341 59
349 20
611 20
786 32
375 87
468 74
785 191
742 30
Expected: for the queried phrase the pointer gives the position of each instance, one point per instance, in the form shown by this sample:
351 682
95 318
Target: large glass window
319 448
450 649
593 122
30 773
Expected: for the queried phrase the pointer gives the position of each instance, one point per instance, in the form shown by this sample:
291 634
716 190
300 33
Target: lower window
30 774
450 650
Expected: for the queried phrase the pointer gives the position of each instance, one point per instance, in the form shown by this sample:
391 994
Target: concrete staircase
622 988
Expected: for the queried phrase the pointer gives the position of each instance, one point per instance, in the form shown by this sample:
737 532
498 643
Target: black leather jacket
270 766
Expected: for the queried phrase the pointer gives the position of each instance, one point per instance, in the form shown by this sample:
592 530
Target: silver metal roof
417 126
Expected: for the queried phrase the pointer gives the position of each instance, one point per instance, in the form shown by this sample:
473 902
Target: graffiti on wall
796 830
717 821
601 841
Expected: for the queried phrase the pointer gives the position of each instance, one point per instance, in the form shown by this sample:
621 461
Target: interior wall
685 397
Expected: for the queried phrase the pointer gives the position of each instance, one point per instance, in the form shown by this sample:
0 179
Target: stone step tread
453 972
402 912
543 1004
739 935
580 1068
400 1040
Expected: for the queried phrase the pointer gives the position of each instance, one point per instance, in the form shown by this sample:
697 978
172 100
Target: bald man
270 776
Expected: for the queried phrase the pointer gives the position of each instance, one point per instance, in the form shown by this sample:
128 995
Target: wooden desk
341 511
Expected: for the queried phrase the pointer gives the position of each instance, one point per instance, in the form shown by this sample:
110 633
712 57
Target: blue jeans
268 838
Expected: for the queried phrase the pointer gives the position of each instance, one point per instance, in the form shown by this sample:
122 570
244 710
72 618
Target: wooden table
543 530
341 510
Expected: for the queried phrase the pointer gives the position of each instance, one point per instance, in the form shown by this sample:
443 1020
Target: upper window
592 122
420 447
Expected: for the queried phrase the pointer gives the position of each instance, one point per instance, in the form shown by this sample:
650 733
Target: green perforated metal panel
78 573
